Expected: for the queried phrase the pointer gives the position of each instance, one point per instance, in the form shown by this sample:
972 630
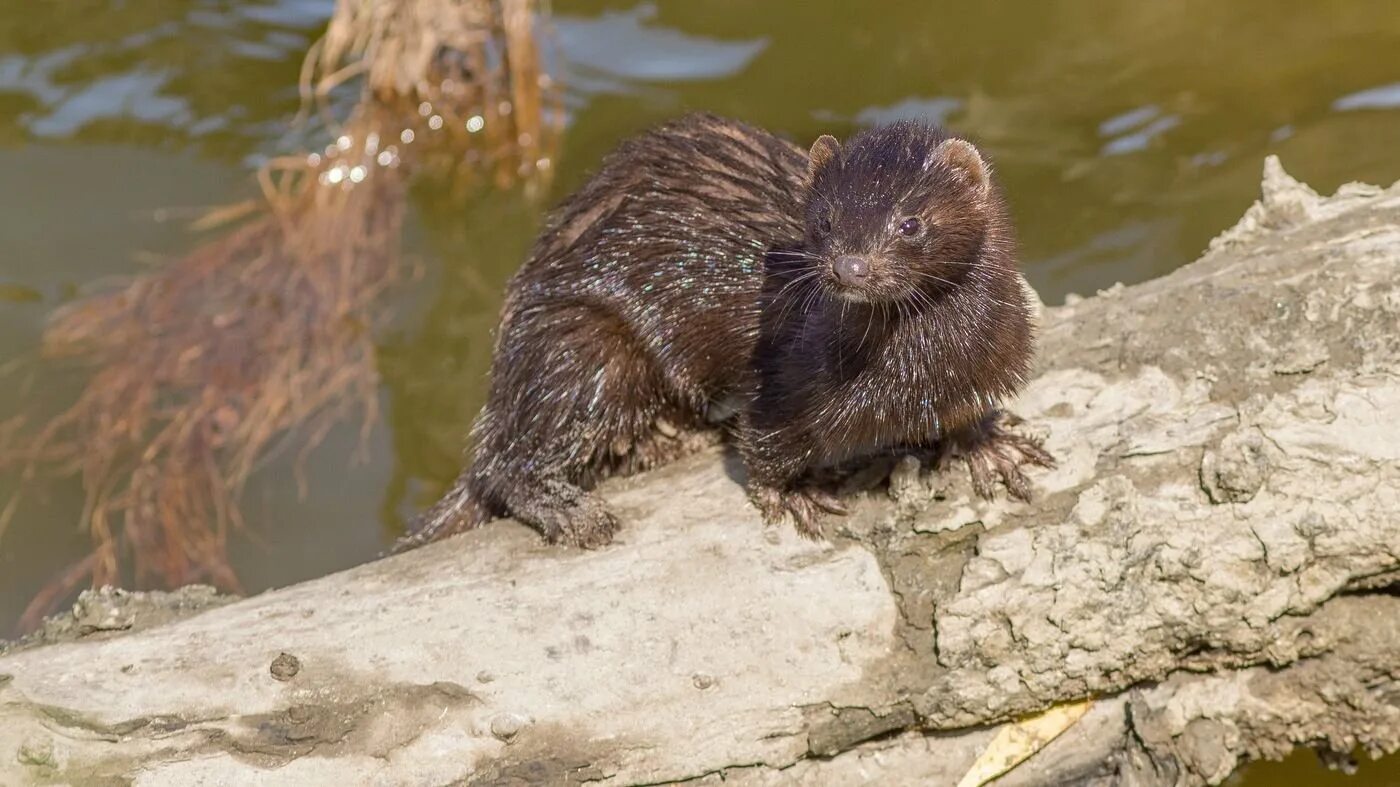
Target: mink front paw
804 505
995 454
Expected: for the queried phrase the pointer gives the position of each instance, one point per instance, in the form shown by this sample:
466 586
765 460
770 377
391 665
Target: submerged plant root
199 369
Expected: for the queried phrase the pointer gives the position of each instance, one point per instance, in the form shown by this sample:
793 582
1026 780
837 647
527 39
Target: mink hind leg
574 401
995 453
563 507
563 511
543 481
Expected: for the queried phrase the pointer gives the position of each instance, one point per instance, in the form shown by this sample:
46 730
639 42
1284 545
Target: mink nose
851 271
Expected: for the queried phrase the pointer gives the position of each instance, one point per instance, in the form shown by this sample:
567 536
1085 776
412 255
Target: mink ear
823 150
962 157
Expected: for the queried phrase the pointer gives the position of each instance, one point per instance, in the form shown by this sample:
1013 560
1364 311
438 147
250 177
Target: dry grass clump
260 339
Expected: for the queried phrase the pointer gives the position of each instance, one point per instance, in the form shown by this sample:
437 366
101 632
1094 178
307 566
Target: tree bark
1214 560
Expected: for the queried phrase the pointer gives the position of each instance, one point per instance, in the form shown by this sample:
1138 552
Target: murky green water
1127 134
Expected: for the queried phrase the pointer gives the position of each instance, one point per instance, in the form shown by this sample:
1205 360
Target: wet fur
692 271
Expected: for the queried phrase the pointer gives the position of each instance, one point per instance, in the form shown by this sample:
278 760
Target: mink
823 305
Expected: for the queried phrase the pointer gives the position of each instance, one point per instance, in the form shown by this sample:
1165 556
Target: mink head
902 212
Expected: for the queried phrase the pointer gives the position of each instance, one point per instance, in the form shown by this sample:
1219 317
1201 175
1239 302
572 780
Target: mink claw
827 502
804 506
1000 456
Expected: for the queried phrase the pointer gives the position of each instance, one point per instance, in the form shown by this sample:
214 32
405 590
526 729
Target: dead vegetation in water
261 339
466 72
258 339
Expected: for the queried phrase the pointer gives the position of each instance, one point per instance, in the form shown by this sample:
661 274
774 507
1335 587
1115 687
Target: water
1126 134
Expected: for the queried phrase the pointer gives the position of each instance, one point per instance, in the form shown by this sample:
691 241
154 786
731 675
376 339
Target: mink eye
825 225
910 227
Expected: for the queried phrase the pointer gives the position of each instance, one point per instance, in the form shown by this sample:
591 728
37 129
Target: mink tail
458 511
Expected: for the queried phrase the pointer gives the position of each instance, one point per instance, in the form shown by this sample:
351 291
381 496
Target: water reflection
935 110
188 73
604 53
1384 97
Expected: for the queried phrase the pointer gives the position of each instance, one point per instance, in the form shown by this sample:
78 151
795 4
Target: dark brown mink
825 305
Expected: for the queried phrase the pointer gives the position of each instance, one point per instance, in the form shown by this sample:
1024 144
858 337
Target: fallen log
1214 561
